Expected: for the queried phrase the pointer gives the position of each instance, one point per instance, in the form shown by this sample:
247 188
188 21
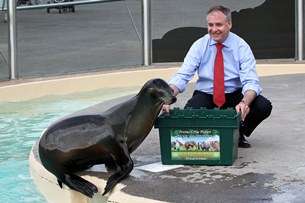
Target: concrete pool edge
48 186
81 83
25 90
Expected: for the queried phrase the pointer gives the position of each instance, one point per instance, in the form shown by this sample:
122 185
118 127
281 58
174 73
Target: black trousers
260 108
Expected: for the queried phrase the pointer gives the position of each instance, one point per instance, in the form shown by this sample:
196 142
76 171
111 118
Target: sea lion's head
160 90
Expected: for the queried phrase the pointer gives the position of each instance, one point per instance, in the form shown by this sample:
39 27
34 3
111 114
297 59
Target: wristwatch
245 102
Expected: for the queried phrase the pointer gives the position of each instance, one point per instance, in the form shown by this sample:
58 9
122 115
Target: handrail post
299 30
12 36
146 32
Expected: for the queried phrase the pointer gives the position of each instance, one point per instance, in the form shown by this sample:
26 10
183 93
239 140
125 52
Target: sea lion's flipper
111 166
79 184
117 177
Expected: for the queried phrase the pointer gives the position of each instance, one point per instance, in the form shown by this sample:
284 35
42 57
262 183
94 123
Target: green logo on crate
194 144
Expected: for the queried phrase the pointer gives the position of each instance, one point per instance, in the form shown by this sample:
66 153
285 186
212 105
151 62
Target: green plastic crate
199 136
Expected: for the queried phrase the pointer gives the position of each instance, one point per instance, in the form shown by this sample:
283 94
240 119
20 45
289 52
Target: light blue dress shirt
239 66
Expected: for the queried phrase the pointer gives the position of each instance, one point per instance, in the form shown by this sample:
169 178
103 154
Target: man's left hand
243 108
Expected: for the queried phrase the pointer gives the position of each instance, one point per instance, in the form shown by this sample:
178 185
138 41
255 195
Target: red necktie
219 87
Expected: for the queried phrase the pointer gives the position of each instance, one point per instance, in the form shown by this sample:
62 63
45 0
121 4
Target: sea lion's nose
174 99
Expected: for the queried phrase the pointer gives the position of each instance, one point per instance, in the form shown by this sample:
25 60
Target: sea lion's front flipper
79 184
126 168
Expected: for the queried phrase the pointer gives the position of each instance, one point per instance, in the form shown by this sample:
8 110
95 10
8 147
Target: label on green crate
194 144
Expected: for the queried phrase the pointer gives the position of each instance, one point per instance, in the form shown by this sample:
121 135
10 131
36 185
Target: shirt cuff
178 83
253 87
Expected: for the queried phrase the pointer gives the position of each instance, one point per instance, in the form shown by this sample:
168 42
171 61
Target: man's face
218 26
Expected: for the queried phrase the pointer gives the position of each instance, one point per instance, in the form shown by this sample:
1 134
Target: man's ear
230 24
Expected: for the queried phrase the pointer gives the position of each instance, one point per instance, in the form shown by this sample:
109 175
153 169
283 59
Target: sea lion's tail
117 177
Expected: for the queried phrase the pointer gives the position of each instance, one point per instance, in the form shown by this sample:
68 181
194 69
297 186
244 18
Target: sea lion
77 143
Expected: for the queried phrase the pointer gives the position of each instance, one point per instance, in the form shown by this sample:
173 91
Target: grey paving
273 170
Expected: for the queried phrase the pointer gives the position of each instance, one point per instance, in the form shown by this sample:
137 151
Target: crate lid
202 117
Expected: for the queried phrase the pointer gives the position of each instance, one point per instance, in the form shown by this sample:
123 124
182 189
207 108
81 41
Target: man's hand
244 104
243 108
166 108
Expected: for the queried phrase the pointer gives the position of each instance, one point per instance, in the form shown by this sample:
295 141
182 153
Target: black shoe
243 143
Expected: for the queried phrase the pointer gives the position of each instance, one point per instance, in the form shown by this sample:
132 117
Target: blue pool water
20 126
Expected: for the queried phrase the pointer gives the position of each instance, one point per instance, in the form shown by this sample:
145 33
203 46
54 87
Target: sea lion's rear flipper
117 177
79 184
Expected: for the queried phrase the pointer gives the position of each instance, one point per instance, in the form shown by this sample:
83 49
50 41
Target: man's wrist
245 102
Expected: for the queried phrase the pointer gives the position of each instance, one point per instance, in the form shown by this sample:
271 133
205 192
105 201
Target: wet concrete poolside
271 171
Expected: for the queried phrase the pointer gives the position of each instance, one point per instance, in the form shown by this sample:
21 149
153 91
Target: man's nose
213 28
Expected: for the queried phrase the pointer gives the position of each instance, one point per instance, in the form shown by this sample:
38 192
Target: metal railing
71 3
145 39
12 61
299 30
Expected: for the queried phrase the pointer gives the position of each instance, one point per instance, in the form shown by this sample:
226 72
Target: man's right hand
166 108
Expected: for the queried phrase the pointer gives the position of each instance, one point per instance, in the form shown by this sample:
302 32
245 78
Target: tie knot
219 46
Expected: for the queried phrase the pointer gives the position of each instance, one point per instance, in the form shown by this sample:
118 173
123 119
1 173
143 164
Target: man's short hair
222 9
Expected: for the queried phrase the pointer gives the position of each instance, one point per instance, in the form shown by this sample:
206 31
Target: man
238 86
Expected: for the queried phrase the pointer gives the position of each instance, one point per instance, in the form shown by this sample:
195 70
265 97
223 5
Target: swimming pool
20 127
